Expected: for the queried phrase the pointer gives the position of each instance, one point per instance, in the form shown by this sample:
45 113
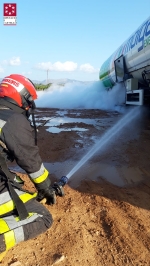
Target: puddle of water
61 119
62 113
117 175
56 121
57 130
53 123
74 113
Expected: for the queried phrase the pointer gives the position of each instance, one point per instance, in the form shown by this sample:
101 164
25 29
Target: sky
69 39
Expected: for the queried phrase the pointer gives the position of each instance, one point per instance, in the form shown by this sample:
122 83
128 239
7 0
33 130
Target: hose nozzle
58 186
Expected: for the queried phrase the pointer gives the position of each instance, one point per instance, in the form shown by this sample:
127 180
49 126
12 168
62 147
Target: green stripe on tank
104 74
108 82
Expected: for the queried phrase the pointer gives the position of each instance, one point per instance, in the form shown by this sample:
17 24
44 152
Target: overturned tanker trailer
130 66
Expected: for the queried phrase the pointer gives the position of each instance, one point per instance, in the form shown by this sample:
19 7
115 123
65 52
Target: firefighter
22 216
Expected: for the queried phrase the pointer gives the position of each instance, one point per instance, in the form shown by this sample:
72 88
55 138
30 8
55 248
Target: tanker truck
129 65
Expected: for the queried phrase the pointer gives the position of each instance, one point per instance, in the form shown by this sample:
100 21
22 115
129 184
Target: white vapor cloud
88 68
85 95
58 66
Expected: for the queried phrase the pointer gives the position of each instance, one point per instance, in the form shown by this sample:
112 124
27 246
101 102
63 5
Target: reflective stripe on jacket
7 204
39 176
12 228
17 135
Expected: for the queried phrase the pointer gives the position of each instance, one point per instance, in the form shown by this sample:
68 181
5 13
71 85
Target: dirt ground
98 222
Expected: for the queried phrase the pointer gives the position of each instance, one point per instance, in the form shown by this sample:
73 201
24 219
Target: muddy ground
104 217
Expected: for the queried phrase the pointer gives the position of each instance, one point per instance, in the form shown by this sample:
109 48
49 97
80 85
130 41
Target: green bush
42 87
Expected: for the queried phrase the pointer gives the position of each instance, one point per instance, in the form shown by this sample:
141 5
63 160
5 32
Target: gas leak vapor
83 95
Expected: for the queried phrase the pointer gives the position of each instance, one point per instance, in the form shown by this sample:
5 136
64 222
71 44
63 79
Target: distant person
22 217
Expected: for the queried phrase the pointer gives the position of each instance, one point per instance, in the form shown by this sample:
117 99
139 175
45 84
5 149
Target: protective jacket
17 135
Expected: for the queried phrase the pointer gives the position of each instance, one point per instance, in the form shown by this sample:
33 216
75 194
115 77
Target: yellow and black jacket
31 218
16 133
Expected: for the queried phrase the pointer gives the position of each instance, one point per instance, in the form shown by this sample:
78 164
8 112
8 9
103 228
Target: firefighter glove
49 194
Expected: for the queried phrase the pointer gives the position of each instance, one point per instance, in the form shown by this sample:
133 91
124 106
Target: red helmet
18 89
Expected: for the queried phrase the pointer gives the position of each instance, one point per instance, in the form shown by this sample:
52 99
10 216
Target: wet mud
104 217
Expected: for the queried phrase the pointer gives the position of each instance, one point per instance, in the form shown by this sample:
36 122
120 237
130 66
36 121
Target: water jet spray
105 139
